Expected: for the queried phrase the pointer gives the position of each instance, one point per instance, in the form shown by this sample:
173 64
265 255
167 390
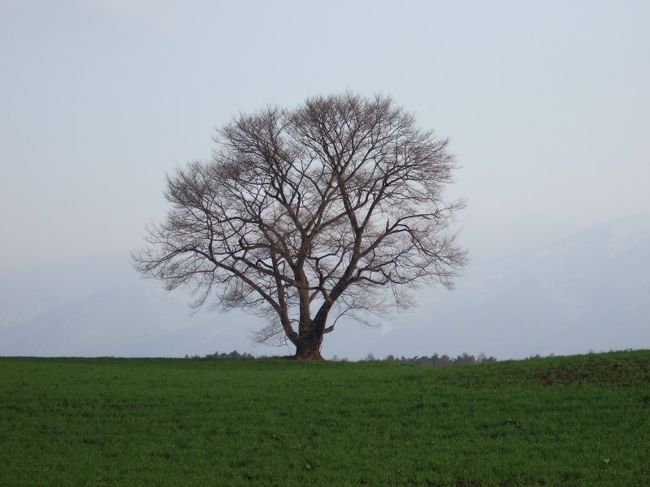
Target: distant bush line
435 359
439 360
219 355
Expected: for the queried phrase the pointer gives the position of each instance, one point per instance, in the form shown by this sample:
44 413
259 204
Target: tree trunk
308 348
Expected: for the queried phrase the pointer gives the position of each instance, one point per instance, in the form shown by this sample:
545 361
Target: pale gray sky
546 103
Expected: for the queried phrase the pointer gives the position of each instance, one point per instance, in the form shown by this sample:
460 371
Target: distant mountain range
101 307
588 291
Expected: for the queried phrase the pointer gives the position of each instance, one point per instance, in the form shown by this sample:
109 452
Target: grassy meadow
582 420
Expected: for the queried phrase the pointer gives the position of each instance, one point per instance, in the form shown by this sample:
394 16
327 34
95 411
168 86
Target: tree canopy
334 208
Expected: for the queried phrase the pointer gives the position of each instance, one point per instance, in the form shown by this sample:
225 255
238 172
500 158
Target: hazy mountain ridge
588 291
136 320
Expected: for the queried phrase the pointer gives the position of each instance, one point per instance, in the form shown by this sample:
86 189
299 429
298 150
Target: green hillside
581 420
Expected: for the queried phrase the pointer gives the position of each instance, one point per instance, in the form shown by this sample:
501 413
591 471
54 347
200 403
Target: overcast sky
546 104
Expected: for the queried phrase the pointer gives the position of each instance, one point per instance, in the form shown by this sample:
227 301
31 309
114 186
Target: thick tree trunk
308 348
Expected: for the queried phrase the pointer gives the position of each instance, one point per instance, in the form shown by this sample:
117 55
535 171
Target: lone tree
302 216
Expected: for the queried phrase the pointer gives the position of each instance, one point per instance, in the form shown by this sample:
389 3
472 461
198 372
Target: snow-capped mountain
588 291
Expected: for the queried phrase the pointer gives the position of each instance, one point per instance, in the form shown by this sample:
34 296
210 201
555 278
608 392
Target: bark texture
309 350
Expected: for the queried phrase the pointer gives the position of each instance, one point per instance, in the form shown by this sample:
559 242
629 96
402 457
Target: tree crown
306 214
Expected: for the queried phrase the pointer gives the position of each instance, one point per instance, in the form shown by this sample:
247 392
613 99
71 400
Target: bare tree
303 216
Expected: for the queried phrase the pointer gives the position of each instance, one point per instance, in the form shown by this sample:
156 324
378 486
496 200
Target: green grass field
580 420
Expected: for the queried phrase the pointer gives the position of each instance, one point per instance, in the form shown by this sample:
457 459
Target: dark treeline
435 359
438 360
425 360
222 355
